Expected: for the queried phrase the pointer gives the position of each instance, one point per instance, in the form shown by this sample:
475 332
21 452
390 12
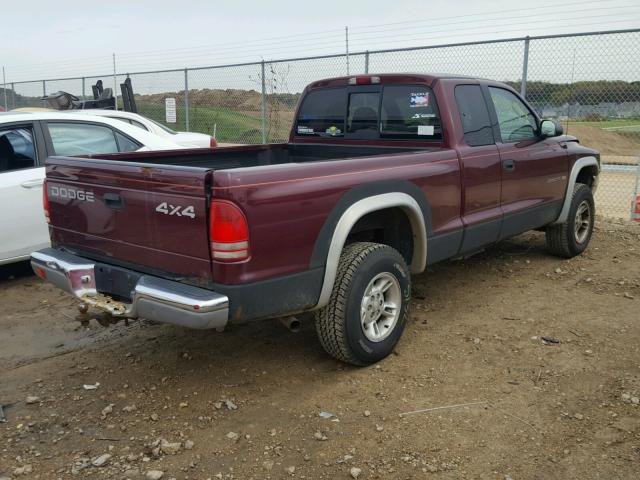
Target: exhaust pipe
292 324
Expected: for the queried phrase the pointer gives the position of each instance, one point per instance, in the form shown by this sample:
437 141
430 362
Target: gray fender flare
356 211
573 176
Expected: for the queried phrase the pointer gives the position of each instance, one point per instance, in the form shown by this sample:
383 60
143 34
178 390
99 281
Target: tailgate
132 214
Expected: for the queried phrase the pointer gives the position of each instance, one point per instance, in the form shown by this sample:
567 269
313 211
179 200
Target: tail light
45 201
364 80
213 143
228 232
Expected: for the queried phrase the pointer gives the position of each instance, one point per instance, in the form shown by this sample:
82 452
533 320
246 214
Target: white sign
170 110
422 129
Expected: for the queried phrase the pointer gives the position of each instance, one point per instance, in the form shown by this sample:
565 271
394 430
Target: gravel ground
156 401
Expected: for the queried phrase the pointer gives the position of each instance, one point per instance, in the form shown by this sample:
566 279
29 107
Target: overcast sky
44 39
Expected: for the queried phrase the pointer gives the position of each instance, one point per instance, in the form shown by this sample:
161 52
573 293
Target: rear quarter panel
286 212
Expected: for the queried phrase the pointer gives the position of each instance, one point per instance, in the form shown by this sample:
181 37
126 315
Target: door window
125 144
515 120
71 139
474 115
17 149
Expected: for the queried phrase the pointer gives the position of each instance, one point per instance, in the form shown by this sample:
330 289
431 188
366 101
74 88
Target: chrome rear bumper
153 298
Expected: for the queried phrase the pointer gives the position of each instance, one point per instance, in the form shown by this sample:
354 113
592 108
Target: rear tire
572 237
367 311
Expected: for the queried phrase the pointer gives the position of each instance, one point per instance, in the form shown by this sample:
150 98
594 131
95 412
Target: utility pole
264 104
4 84
346 38
115 82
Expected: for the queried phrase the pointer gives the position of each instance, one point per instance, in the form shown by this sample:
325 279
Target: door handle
509 165
33 183
113 200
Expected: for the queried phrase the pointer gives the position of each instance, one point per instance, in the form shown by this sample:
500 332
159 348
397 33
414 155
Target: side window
514 118
17 149
81 139
362 117
474 115
410 111
125 144
322 113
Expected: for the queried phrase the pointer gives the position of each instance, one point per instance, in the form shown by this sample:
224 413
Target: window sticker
333 131
419 99
417 116
304 130
425 129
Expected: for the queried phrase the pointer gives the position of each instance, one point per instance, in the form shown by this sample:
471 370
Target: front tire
367 311
572 237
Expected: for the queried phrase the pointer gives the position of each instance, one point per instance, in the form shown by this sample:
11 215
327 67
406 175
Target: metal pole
44 92
115 83
186 99
13 95
346 38
83 89
635 200
366 62
264 105
4 84
525 67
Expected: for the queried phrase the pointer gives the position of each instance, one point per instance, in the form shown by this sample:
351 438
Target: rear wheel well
587 175
390 226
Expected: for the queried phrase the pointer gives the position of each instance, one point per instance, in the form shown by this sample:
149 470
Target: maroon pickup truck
382 176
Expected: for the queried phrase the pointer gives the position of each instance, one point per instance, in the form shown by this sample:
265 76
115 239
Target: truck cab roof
388 78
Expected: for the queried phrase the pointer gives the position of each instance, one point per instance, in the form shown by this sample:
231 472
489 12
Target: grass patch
613 123
231 126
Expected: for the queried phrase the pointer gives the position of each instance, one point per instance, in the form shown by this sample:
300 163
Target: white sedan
185 139
26 140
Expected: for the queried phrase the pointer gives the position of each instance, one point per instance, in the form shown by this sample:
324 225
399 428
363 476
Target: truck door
481 170
534 169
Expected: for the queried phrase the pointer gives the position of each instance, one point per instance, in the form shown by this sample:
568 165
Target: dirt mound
233 99
607 142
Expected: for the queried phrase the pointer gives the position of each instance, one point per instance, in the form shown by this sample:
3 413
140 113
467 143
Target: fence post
13 95
366 61
525 67
264 105
83 90
44 92
635 201
186 99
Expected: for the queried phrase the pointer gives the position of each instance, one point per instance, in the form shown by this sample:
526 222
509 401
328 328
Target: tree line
584 93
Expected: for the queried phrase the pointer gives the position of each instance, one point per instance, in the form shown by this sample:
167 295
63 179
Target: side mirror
550 128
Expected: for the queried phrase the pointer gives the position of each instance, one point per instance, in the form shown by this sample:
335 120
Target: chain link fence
589 82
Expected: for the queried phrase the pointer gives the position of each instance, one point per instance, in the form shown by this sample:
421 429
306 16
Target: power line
362 29
327 43
508 19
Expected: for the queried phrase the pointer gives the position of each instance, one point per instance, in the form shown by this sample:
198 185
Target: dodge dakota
382 175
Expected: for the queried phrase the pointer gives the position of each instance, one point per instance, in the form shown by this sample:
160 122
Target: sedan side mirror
550 128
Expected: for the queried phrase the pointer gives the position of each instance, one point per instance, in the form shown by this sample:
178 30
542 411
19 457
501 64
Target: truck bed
225 158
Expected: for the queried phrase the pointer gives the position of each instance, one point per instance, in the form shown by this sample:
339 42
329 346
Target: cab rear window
382 112
322 113
409 111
